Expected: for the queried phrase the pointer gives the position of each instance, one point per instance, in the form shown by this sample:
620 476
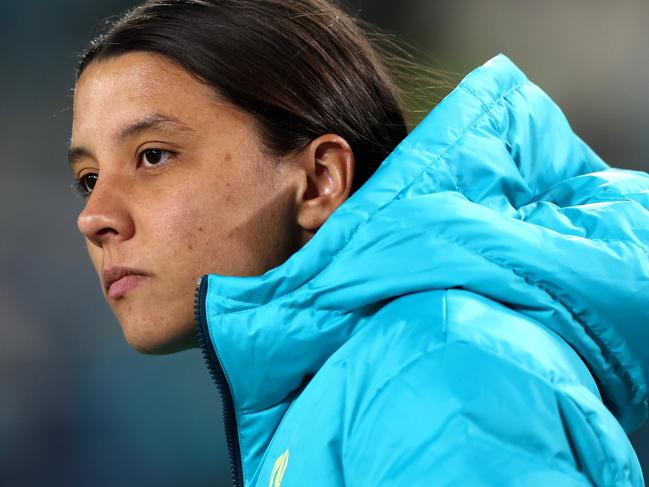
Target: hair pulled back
301 68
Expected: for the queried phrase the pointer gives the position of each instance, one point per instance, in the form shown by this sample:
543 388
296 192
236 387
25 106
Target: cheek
193 227
217 222
176 227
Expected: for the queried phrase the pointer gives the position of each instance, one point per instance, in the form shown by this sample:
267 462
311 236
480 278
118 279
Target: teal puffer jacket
476 314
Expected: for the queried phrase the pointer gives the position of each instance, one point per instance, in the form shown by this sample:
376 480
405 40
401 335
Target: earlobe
328 171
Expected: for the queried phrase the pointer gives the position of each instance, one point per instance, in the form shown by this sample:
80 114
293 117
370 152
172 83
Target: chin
159 341
160 346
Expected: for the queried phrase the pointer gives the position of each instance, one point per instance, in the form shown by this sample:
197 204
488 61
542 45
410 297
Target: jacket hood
493 193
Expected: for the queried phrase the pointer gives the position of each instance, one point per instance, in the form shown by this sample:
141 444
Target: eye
155 157
86 183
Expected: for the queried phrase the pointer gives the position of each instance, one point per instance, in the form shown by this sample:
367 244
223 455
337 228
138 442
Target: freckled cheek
177 232
189 225
198 223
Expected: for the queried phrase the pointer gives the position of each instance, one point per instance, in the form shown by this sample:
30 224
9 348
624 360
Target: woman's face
178 187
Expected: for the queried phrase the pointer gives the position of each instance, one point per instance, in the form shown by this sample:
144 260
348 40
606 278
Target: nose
106 216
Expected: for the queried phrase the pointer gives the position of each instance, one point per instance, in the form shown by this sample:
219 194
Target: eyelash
78 183
79 188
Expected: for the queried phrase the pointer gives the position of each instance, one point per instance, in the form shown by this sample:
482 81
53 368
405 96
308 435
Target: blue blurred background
78 407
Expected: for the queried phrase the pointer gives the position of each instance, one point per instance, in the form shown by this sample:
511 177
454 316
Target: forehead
116 90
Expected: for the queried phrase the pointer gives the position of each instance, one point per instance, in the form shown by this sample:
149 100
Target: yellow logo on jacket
279 468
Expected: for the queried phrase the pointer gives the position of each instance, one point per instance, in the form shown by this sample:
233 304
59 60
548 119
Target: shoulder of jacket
428 322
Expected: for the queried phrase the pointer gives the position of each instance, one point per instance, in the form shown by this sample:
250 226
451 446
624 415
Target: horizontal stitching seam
280 304
640 245
612 360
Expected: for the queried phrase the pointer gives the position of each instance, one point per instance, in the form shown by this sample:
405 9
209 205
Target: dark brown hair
302 68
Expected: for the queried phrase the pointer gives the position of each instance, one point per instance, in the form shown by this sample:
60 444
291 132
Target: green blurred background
78 407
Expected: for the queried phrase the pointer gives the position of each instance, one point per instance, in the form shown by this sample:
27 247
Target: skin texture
214 202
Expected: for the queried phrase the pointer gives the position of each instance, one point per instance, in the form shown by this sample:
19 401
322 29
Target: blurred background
78 407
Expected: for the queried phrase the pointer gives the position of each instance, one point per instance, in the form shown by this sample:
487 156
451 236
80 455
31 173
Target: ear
326 175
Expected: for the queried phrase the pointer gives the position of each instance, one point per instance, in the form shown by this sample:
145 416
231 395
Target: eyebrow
157 121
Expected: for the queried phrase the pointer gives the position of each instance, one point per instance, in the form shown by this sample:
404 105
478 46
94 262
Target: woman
472 312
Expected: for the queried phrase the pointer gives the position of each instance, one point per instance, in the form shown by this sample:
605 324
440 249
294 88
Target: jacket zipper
216 371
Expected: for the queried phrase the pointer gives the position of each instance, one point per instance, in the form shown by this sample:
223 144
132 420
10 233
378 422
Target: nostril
103 234
106 231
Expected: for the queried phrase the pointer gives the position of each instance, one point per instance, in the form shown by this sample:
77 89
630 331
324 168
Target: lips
118 281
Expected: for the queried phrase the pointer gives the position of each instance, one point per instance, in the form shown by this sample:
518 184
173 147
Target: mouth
119 281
